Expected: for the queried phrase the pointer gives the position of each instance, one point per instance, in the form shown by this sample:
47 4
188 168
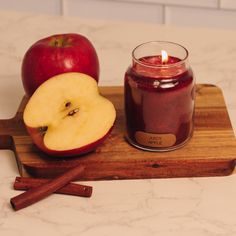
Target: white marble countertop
166 207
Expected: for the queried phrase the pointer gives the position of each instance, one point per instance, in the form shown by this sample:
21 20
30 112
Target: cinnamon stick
36 194
25 183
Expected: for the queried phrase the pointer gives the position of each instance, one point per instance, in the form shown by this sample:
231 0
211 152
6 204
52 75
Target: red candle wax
159 103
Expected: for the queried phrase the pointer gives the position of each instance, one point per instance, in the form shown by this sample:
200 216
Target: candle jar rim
179 63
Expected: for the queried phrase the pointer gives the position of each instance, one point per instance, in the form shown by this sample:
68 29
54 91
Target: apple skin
37 137
55 55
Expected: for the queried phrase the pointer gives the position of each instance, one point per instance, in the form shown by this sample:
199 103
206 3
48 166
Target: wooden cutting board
210 152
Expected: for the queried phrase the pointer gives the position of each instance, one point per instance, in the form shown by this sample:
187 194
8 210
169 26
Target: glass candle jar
159 90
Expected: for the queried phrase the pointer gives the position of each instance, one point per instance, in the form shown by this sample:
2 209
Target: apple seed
67 104
71 113
43 129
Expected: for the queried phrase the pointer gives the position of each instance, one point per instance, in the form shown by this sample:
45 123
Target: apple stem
60 42
56 43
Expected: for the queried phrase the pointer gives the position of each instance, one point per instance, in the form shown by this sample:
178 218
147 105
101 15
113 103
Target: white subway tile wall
45 6
200 13
228 4
192 3
115 10
200 17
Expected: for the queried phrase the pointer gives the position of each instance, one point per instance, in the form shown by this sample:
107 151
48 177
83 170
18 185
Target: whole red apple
55 55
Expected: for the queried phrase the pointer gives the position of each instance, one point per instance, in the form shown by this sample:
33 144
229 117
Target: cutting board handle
6 142
12 127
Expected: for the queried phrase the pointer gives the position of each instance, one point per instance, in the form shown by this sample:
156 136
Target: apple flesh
55 55
66 116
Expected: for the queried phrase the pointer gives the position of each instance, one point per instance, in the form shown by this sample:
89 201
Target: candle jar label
155 140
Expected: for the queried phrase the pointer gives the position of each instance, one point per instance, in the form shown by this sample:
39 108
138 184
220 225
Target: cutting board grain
210 152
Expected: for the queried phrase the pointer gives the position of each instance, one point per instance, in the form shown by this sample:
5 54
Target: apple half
66 115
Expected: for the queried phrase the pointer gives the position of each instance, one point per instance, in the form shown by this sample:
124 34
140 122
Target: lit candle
159 97
164 57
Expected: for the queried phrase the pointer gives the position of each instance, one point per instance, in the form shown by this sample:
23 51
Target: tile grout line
63 7
163 14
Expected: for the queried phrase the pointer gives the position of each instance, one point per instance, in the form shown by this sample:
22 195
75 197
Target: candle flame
164 56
